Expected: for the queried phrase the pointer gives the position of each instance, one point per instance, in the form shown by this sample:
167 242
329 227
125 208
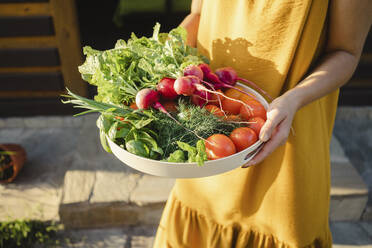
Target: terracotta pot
17 159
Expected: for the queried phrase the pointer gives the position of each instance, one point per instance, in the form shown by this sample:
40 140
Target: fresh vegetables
228 75
256 124
219 146
147 98
159 99
185 85
214 110
243 137
139 63
192 117
255 109
224 78
166 88
231 107
193 70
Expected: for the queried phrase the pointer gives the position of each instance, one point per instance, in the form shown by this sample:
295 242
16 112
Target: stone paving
128 237
54 145
353 129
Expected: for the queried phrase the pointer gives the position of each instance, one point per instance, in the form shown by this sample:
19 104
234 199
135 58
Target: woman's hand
276 129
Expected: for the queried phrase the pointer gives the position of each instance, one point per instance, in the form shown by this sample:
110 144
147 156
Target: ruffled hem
183 227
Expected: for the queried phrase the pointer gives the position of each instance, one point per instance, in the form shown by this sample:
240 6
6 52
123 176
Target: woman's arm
191 22
349 25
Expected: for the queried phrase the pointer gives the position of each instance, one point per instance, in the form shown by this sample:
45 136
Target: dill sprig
192 117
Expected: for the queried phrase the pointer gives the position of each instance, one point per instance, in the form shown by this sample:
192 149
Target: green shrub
27 233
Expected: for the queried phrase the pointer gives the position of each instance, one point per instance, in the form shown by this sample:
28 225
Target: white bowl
189 170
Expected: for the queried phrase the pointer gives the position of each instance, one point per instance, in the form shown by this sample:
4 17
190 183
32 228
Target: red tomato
246 98
243 137
231 107
232 118
256 125
233 93
256 109
214 98
219 146
214 110
170 106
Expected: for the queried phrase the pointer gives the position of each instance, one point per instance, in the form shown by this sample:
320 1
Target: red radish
205 68
147 98
212 77
229 76
194 79
166 89
184 85
215 98
200 98
215 79
193 70
188 85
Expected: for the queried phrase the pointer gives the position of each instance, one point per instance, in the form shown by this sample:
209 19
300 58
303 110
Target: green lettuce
138 63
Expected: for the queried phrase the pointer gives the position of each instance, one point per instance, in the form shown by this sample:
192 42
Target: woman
300 52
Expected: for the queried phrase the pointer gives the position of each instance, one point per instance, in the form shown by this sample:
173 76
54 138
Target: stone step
101 198
50 144
124 237
345 235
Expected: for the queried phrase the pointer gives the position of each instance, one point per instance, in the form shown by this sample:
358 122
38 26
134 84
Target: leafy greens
119 73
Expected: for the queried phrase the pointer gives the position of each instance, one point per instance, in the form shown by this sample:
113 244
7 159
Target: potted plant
12 158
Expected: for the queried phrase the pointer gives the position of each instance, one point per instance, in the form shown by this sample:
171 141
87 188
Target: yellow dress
283 201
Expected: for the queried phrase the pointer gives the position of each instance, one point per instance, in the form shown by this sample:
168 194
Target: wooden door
39 53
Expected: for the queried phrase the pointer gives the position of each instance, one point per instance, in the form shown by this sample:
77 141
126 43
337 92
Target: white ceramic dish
189 170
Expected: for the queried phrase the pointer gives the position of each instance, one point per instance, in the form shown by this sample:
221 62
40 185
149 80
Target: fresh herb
119 73
192 117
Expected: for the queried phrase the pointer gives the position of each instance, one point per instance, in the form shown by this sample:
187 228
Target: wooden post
66 27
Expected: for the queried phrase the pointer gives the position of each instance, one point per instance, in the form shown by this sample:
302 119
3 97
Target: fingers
274 117
279 137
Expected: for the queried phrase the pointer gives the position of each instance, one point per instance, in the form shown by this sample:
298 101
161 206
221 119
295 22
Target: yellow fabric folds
283 201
